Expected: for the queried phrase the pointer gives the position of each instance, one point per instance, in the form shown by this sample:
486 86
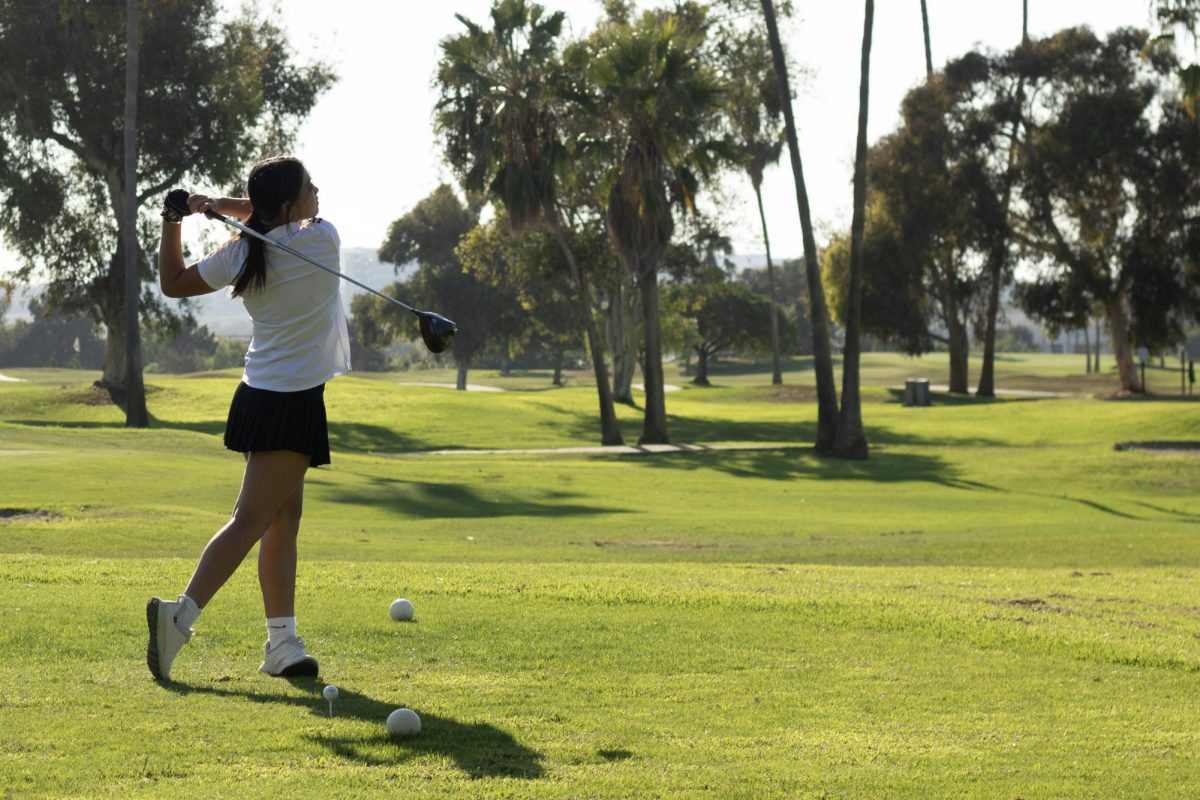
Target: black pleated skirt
260 420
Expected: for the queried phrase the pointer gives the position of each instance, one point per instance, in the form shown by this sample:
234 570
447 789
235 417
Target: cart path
621 450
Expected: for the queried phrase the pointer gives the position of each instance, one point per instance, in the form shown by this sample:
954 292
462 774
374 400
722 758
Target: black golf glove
175 205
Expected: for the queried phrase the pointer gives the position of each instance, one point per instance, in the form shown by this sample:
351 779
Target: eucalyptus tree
531 266
211 96
1008 108
1110 164
920 266
1175 16
491 319
658 106
827 402
499 115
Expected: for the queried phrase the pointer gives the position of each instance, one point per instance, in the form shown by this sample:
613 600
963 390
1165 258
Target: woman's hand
200 203
238 207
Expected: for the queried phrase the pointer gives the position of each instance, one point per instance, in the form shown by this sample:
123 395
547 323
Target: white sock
280 628
188 612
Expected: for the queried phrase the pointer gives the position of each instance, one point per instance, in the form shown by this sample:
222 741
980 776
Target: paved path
625 450
471 387
1004 392
4 377
476 387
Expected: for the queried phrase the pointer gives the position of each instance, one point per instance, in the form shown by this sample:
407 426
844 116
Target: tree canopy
213 95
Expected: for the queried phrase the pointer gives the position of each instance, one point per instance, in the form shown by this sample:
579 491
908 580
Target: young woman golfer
277 417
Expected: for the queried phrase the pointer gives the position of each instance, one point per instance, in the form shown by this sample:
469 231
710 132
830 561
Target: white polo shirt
300 334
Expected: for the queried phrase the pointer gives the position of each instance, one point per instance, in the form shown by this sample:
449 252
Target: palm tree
136 415
827 404
660 110
851 440
499 118
928 48
755 114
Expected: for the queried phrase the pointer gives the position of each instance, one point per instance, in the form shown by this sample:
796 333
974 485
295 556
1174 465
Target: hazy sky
371 150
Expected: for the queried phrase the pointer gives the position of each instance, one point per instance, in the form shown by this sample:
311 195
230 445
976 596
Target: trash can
916 392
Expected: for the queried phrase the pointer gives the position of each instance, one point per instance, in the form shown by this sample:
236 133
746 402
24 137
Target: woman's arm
238 207
175 277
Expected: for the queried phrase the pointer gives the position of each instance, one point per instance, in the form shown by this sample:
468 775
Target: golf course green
997 604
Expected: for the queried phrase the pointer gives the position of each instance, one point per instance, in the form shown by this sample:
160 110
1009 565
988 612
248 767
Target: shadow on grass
457 500
790 463
698 430
1186 516
718 368
479 750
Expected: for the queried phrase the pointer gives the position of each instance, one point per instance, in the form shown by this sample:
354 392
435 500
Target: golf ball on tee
402 610
330 692
403 722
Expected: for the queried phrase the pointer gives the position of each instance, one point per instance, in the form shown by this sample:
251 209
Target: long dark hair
274 182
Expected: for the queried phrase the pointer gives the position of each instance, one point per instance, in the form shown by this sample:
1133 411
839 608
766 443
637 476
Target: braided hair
274 185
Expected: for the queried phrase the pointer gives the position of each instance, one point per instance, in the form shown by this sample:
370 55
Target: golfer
277 417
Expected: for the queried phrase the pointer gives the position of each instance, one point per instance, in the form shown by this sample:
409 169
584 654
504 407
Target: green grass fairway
996 605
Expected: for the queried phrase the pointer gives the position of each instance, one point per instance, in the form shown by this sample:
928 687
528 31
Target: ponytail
253 276
274 183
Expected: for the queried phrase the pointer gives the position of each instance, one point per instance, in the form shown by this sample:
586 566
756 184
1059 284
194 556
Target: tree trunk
987 372
610 428
1087 347
851 441
956 330
654 425
558 368
1097 345
827 403
701 378
461 383
928 48
112 378
959 342
776 359
1122 351
135 390
622 338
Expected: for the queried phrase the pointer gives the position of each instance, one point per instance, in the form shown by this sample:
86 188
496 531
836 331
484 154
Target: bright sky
371 150
370 147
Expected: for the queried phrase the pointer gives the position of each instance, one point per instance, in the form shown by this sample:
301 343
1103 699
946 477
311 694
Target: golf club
437 331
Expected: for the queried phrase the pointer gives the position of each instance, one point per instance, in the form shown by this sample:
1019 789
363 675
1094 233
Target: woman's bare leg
277 558
271 478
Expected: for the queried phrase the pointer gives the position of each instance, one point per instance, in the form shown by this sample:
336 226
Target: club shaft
251 232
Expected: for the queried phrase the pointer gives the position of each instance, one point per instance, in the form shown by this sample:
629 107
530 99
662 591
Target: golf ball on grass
403 722
330 692
402 610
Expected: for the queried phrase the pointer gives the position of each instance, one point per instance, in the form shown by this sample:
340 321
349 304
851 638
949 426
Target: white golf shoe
288 660
166 637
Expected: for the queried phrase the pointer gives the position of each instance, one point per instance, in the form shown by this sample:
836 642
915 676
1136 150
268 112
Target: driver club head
437 331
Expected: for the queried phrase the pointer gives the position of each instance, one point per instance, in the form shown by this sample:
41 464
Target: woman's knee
288 516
